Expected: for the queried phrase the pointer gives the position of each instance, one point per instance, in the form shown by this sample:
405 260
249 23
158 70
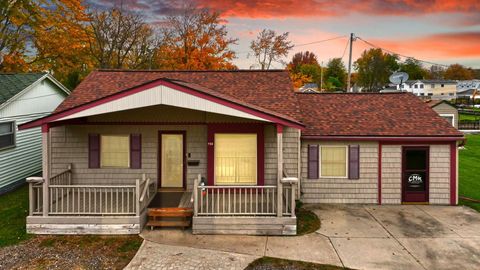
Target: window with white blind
235 159
7 134
115 151
333 161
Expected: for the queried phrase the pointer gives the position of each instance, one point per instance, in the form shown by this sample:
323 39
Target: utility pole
350 62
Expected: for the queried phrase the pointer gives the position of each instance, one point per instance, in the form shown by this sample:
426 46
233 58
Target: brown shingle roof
271 90
371 114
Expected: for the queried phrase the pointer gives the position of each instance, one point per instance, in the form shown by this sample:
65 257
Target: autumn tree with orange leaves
196 39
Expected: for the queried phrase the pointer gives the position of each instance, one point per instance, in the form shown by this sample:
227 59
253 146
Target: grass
463 116
276 263
13 212
469 171
307 221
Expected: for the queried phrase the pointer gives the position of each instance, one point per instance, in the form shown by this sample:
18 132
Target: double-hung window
334 161
115 151
7 134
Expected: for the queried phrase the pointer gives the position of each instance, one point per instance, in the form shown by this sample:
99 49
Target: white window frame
14 133
320 161
449 115
128 154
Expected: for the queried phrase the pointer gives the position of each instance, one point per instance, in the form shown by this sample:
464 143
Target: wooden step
170 212
168 223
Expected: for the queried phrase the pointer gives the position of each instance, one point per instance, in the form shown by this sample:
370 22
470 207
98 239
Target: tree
458 72
414 69
336 69
120 40
302 58
374 67
195 39
269 47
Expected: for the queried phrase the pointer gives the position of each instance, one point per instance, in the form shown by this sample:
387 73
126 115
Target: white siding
25 158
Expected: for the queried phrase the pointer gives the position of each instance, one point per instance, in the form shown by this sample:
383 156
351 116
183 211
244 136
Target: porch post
280 170
45 166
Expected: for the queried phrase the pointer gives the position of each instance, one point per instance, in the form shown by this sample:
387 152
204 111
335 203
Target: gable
12 84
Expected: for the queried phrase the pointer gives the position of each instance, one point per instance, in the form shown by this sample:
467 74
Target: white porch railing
241 200
65 199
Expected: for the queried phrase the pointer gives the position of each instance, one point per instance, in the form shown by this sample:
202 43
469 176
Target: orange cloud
318 8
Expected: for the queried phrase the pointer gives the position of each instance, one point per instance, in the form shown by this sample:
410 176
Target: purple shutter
136 151
93 150
354 162
312 161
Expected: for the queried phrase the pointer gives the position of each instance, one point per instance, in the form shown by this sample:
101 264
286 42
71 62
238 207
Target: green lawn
468 117
469 171
13 211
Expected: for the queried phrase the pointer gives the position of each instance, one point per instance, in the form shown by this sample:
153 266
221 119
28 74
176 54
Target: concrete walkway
354 236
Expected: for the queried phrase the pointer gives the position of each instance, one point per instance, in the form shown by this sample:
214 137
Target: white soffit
161 95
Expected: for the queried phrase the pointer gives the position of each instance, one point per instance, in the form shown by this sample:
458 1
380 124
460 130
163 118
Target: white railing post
195 194
137 196
31 199
46 167
279 170
69 174
292 203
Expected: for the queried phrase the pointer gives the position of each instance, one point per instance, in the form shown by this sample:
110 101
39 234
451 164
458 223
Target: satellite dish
398 77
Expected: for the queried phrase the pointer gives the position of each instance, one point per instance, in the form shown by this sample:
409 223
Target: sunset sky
440 31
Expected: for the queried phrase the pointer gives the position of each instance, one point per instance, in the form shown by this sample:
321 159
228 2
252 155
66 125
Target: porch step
169 217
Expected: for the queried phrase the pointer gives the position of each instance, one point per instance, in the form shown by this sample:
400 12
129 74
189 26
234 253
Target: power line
305 44
345 50
402 55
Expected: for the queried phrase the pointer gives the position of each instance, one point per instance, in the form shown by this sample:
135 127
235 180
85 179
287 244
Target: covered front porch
107 166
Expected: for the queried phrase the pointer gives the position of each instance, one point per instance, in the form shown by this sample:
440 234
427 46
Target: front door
172 159
415 174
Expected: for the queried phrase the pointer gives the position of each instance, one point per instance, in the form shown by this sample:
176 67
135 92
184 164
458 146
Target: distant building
431 89
445 110
309 88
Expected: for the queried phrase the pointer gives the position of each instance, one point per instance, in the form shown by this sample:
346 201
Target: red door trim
235 128
453 173
159 155
427 184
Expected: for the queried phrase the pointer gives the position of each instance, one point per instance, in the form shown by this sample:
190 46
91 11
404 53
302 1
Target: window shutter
354 162
135 151
313 161
93 150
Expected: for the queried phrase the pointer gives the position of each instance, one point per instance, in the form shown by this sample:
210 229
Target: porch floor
172 199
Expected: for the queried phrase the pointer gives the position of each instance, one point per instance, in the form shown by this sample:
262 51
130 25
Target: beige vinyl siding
439 174
439 178
270 155
70 145
343 190
391 174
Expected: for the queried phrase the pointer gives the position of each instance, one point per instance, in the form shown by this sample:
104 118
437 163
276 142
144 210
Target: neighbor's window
421 86
333 161
449 117
7 134
432 86
115 151
235 159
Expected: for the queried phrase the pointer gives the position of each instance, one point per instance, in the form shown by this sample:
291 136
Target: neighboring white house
23 98
433 89
468 89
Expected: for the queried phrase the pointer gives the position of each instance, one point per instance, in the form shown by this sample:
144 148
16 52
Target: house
446 110
23 98
230 148
431 89
309 88
468 85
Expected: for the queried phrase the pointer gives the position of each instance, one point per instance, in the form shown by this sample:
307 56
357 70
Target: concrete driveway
354 236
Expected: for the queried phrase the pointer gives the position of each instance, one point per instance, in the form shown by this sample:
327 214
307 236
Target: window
433 85
430 94
421 86
235 159
333 161
115 151
415 86
449 117
7 135
442 85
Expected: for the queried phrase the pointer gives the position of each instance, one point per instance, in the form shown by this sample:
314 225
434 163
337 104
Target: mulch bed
269 263
71 252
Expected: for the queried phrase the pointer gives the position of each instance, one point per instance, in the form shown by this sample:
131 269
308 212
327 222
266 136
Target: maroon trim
279 128
159 155
313 157
235 128
135 151
417 139
380 173
134 90
427 173
453 174
45 128
354 162
94 151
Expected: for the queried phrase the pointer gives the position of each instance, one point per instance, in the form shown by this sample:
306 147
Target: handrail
145 189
